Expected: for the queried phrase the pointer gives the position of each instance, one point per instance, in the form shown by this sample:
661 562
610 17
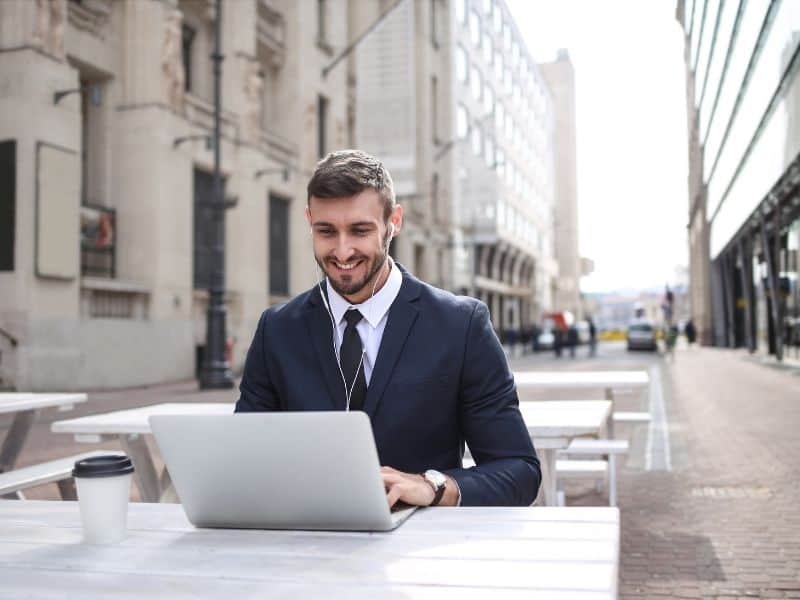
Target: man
424 365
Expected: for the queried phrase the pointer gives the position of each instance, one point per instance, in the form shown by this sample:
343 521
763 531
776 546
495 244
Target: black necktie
352 364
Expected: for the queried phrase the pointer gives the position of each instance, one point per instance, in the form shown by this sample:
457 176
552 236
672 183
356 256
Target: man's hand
413 489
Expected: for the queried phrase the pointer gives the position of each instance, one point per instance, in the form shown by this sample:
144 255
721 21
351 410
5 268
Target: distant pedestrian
690 332
592 337
558 340
670 338
572 339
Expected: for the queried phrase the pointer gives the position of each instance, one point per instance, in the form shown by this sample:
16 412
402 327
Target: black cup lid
107 465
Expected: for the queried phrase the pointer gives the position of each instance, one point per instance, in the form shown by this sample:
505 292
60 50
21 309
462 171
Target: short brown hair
345 173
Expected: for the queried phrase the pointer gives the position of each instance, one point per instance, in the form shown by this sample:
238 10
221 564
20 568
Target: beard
348 285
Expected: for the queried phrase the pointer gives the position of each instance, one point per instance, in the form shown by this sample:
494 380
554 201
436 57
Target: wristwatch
438 482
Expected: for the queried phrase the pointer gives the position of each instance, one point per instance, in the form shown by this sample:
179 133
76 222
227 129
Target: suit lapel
402 315
320 329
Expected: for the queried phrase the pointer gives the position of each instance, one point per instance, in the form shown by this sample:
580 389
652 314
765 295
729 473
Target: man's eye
360 232
325 232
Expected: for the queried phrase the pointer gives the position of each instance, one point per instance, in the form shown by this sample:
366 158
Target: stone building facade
449 96
104 118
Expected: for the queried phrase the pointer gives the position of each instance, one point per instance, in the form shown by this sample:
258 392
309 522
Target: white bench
602 468
55 471
631 417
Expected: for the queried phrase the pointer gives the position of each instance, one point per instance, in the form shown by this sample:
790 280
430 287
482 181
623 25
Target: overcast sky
631 123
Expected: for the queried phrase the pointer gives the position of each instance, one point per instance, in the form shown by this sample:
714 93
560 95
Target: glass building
743 101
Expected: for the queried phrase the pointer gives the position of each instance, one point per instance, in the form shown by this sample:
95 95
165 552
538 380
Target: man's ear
308 217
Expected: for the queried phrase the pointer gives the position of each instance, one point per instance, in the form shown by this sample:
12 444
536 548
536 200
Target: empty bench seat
631 417
593 469
54 471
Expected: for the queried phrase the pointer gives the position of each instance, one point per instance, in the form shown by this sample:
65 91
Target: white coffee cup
104 486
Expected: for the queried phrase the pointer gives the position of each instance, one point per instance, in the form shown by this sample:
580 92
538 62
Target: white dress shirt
375 313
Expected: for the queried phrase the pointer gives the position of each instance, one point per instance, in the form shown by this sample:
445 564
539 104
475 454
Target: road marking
658 456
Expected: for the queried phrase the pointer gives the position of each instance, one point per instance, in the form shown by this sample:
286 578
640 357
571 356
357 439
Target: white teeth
345 266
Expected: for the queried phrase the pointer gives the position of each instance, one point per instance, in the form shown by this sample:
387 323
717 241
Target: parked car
641 335
546 340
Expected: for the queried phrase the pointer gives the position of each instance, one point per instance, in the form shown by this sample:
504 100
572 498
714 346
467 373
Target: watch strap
438 491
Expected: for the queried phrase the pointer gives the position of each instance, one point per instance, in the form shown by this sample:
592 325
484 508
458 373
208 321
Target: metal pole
215 372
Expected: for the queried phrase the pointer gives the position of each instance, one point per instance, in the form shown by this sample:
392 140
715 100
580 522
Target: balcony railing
98 241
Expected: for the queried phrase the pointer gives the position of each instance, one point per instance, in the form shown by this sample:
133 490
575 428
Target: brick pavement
724 523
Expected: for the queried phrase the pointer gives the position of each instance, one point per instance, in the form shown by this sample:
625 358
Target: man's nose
344 247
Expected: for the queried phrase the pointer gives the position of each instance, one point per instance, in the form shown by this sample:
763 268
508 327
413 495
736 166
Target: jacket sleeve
507 471
256 392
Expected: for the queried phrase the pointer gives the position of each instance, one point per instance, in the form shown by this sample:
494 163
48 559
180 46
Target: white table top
135 420
565 418
15 401
582 379
439 553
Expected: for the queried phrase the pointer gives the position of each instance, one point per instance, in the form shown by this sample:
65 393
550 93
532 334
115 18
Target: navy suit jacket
440 380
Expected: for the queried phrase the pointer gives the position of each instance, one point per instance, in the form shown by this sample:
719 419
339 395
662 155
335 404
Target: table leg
609 394
548 491
145 473
15 438
168 493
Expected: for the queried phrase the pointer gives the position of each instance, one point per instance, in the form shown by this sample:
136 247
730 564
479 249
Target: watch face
436 478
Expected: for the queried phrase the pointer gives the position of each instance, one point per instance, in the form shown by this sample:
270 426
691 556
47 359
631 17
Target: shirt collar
373 309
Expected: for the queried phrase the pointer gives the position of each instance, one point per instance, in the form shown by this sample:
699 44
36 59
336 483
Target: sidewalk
724 522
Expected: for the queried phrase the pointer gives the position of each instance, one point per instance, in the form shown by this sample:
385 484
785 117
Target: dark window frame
8 203
279 248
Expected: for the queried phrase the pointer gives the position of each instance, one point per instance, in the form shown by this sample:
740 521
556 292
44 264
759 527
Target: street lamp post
215 372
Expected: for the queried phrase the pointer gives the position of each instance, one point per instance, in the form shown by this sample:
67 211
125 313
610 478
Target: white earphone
349 392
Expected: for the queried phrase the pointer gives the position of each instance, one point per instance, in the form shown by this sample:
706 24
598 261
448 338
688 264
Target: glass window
476 83
696 28
487 6
462 121
501 161
462 64
498 20
750 25
727 19
507 36
500 117
477 141
278 246
461 11
488 48
509 127
489 152
705 49
475 27
488 99
498 65
508 81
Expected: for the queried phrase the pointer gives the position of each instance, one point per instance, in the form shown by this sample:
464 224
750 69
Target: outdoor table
129 427
437 554
607 380
552 425
24 407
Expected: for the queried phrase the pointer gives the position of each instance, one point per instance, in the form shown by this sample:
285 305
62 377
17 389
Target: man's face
351 241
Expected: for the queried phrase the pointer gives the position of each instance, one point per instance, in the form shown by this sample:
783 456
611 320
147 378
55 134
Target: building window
489 152
488 99
322 21
278 246
461 11
476 82
188 35
498 65
204 232
507 36
477 141
8 203
501 162
498 20
462 121
500 117
488 48
462 64
322 126
475 27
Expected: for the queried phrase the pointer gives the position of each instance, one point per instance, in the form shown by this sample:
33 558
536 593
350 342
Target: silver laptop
283 470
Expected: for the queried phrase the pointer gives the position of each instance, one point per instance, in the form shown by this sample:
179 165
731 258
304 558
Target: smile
346 266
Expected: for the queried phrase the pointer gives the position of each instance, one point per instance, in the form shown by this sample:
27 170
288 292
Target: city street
708 511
